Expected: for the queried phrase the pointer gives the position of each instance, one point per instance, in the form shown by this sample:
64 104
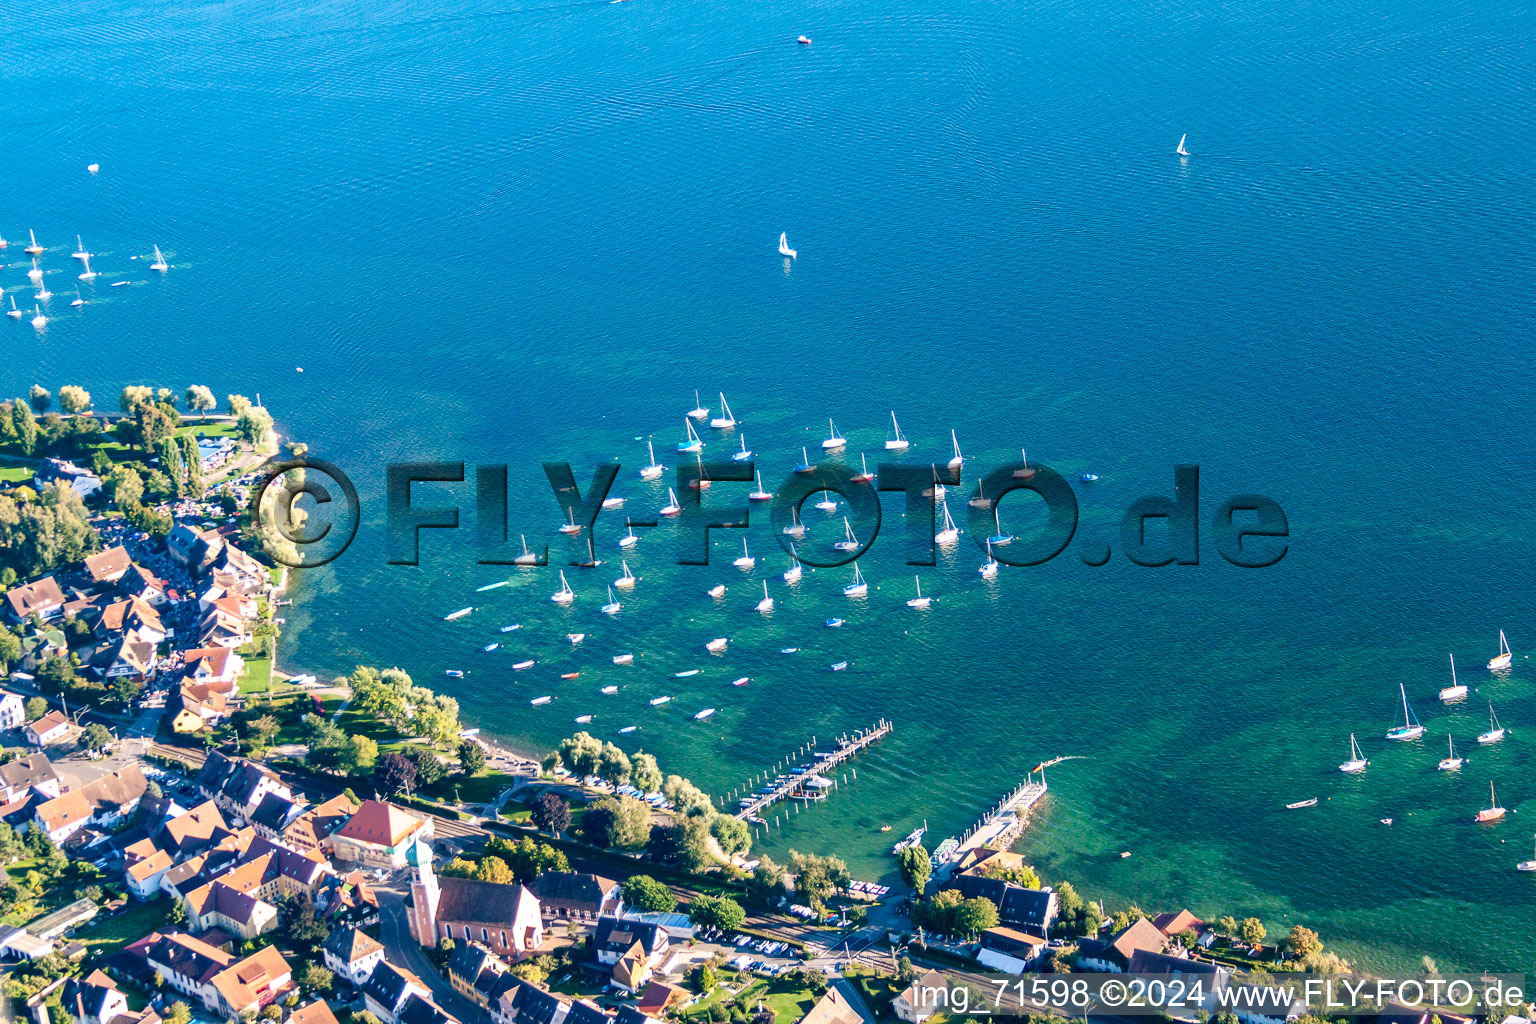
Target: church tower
424 894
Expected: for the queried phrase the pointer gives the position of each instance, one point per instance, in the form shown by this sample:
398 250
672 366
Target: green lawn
105 936
787 1002
205 429
15 474
258 675
481 789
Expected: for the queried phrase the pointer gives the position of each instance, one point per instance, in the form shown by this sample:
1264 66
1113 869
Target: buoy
298 369
93 168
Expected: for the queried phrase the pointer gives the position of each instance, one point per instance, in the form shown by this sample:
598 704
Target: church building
503 918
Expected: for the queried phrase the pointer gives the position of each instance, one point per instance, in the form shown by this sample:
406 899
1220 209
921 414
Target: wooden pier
1000 826
794 786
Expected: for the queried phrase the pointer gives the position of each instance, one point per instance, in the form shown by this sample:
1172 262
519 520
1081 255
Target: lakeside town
189 833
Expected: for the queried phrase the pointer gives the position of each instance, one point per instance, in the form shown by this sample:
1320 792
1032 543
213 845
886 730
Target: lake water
513 232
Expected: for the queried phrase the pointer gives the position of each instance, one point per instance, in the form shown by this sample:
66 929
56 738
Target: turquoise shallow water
514 232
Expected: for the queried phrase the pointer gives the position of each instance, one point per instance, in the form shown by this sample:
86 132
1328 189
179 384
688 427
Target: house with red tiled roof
54 727
379 835
312 830
109 566
222 984
41 599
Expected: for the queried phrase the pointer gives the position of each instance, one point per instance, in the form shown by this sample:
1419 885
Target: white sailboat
999 538
1496 731
654 469
859 587
957 458
78 300
159 263
725 421
89 274
80 253
1505 656
849 541
919 601
36 273
698 412
760 494
671 508
569 526
863 476
937 490
1410 729
716 645
784 249
826 504
38 320
834 440
766 604
565 595
1357 762
744 454
695 443
43 294
1451 762
805 462
629 540
746 561
795 528
1181 151
989 567
613 606
718 590
794 571
628 579
899 443
527 557
980 499
1026 471
949 533
1456 690
33 249
13 312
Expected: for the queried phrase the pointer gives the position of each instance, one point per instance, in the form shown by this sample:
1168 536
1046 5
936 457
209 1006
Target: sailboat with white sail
1456 690
1504 657
834 439
919 601
1181 151
1496 731
698 412
654 469
826 504
766 604
1450 762
1357 762
957 458
859 587
949 533
613 606
565 595
784 249
898 442
849 541
694 443
671 508
1410 729
159 263
726 420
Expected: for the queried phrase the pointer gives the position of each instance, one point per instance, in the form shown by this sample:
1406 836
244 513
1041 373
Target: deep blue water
516 232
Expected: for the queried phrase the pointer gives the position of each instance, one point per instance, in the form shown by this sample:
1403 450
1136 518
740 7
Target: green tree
471 758
580 753
96 737
238 405
613 765
255 427
180 1013
731 834
362 753
916 866
395 773
37 707
644 772
623 822
1303 942
816 878
1251 931
429 768
494 869
10 649
720 912
124 486
693 850
1023 875
687 797
975 916
25 426
168 451
315 978
200 399
40 398
645 893
192 460
74 399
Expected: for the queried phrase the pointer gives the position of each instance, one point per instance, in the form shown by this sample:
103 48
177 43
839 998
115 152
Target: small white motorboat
804 40
488 648
613 503
583 719
610 690
509 627
454 673
575 638
741 681
789 650
839 666
540 701
454 616
628 729
833 623
519 666
703 714
687 673
657 702
623 659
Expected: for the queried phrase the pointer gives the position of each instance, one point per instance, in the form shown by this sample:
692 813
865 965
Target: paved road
402 950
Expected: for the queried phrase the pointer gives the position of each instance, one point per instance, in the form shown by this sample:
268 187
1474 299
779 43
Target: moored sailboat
766 604
1504 657
949 533
1357 762
899 442
726 420
919 601
694 442
626 580
859 587
834 439
565 595
1496 731
1410 729
698 412
1456 690
1493 812
1451 762
654 469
